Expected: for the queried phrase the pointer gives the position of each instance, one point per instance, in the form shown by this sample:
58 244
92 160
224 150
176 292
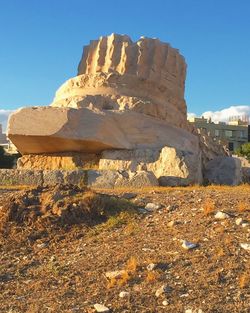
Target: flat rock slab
39 130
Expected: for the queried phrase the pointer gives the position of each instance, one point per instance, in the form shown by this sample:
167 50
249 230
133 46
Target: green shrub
244 150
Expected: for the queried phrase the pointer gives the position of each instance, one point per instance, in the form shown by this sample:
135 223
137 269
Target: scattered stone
42 245
189 245
143 211
124 294
194 311
238 221
148 250
245 246
172 207
152 206
244 224
171 223
114 274
129 195
162 290
151 266
221 215
101 308
165 303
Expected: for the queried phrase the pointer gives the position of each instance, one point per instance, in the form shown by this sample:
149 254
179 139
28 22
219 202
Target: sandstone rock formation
124 114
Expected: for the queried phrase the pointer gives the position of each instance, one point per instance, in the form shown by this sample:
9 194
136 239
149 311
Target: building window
231 146
243 134
228 133
217 133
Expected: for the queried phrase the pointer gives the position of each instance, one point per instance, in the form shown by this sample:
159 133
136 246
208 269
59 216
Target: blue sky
41 45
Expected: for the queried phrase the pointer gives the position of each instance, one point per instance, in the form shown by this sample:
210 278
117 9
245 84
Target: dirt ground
57 244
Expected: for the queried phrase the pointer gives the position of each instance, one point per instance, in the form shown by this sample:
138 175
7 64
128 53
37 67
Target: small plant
122 280
131 228
112 282
125 277
242 206
220 253
127 274
208 207
132 264
152 276
244 280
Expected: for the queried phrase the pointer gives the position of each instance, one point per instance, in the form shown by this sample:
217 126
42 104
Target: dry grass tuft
111 283
242 206
132 265
120 281
220 252
208 207
152 276
244 280
125 277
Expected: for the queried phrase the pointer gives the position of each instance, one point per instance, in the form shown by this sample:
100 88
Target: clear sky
41 44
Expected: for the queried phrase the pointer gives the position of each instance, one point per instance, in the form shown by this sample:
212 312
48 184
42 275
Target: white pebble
101 308
245 246
123 294
151 267
188 245
221 215
152 206
238 221
165 303
114 274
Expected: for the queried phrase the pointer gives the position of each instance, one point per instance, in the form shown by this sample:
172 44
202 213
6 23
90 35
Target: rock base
89 178
62 161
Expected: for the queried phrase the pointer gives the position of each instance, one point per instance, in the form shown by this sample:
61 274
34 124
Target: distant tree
6 161
244 151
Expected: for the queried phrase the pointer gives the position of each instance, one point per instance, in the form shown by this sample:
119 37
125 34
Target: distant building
235 133
6 143
3 138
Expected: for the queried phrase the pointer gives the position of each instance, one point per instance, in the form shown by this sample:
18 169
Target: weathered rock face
63 161
119 179
210 147
147 76
171 166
